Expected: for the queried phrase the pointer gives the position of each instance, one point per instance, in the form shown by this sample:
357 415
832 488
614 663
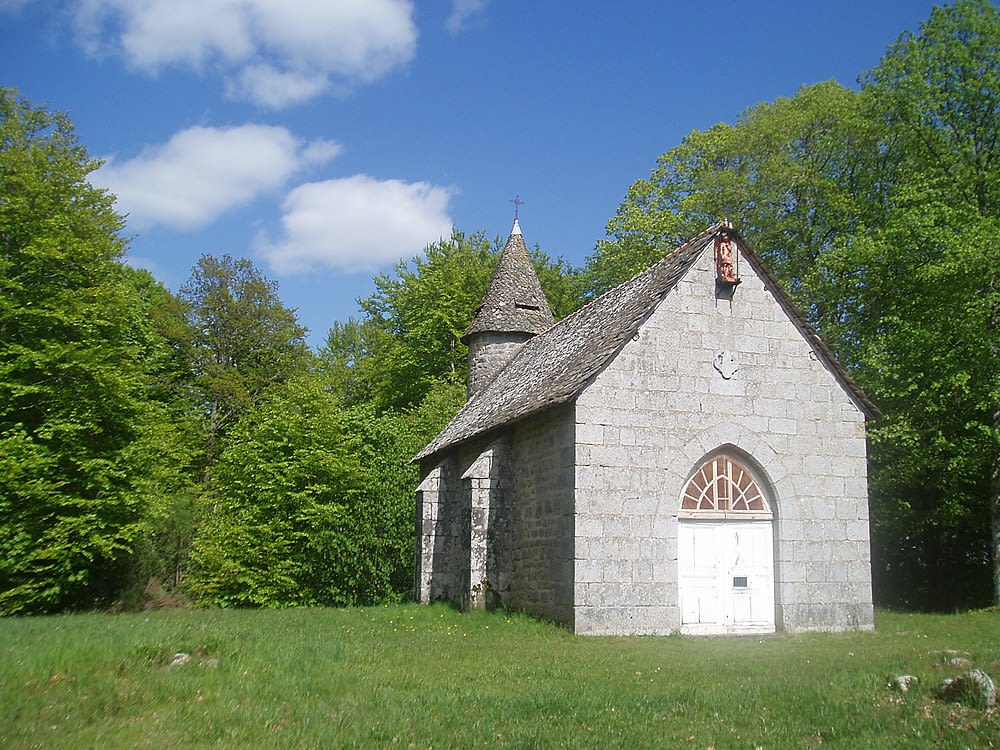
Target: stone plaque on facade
725 363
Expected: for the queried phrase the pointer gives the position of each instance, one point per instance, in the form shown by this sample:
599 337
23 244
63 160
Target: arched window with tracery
723 487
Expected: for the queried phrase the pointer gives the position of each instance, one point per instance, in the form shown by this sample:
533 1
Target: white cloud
319 152
276 89
202 172
159 32
356 224
463 13
261 44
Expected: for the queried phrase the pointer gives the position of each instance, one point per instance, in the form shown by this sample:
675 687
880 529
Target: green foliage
795 175
312 502
168 444
933 278
940 90
428 676
71 378
409 336
243 340
927 362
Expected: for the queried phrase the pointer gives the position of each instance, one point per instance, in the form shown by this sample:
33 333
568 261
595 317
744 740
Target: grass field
422 677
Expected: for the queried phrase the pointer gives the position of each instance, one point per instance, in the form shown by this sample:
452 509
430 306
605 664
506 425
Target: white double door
726 577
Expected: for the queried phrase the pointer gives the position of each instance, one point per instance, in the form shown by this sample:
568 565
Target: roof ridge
718 226
553 367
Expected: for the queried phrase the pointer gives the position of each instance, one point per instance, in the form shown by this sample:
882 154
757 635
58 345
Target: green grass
421 677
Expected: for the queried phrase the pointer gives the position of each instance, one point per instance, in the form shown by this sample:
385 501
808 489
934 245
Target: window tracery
723 488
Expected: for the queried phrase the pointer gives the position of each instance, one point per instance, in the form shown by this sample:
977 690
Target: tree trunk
213 430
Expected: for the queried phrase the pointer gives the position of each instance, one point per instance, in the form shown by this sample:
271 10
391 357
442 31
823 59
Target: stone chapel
682 454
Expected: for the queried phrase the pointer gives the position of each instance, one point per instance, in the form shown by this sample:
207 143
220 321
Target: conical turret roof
514 302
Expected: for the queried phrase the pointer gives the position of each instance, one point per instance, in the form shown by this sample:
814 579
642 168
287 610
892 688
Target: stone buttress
463 514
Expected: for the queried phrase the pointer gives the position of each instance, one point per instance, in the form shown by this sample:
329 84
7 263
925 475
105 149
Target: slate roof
554 367
514 301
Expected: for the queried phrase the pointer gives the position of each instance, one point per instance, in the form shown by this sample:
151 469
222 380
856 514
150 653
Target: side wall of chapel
496 521
648 419
542 520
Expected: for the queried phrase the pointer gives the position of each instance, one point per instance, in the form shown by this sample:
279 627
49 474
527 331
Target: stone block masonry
488 352
661 406
542 516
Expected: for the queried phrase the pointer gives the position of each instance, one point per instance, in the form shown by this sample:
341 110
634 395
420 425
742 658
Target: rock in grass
903 682
958 662
179 658
974 685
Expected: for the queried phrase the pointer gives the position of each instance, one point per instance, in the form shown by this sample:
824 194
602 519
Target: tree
313 501
168 444
799 176
72 386
409 337
243 339
939 92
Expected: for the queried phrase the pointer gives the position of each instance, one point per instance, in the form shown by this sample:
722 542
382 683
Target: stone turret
513 310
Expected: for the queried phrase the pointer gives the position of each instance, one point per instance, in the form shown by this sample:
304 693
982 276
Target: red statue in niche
725 270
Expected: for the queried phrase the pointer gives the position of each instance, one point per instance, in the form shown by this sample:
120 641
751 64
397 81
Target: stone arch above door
747 443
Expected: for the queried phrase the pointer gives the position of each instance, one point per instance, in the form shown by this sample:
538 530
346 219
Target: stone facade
651 416
543 513
569 509
491 535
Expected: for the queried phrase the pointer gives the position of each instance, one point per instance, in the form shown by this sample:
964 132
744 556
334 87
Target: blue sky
326 139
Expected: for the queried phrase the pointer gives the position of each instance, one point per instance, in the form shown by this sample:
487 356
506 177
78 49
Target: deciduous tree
243 339
312 501
72 385
939 92
799 176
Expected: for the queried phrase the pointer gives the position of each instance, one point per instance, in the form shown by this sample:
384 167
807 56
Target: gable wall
649 417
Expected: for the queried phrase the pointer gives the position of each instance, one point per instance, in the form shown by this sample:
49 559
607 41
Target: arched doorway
725 555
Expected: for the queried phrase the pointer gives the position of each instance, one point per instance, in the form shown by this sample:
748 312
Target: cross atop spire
516 200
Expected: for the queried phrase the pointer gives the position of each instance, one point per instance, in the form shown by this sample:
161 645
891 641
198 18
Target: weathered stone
180 658
609 413
975 687
958 662
903 682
